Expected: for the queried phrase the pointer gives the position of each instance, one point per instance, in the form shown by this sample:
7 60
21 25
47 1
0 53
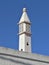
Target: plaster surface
12 57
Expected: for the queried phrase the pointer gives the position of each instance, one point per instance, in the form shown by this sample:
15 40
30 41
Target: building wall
13 57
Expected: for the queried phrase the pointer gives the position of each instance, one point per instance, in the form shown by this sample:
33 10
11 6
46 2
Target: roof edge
24 54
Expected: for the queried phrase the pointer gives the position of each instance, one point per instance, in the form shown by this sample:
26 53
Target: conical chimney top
24 18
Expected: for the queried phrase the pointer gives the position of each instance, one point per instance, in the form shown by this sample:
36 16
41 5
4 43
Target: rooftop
25 55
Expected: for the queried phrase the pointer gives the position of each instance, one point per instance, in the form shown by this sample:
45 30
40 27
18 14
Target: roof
23 55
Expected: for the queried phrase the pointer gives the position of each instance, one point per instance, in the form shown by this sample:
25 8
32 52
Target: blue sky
38 12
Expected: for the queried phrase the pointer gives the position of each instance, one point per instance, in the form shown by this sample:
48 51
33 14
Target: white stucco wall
13 57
